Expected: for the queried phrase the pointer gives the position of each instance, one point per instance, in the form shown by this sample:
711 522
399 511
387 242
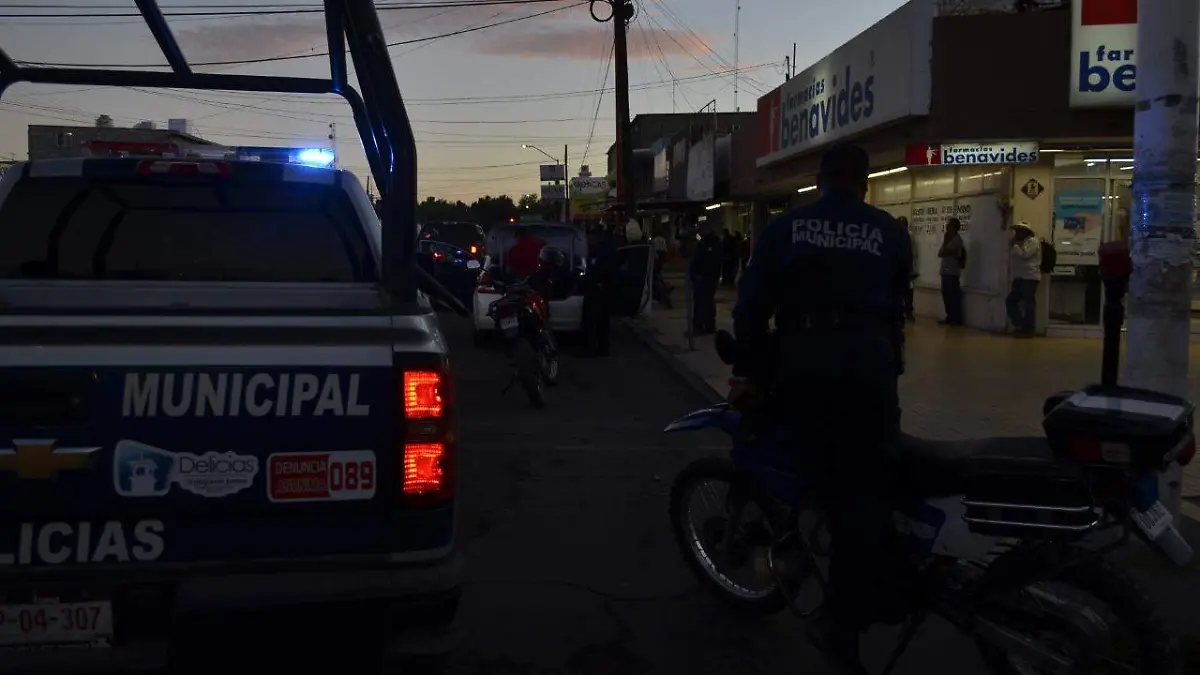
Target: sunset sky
474 98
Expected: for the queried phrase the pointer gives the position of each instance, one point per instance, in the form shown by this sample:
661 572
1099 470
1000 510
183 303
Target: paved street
571 569
571 565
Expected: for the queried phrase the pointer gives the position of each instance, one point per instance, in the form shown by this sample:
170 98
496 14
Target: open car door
634 265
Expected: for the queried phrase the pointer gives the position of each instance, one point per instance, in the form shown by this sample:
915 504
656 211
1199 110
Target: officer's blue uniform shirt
836 255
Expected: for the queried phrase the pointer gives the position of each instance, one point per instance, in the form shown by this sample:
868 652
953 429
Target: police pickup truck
208 405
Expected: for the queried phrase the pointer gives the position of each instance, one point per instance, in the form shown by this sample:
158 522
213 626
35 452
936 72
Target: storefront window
1075 164
981 179
892 189
933 183
1083 219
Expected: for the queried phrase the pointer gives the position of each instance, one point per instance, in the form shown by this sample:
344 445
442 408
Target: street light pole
566 178
1163 225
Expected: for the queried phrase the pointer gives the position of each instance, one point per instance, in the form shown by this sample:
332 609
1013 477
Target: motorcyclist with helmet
547 279
832 274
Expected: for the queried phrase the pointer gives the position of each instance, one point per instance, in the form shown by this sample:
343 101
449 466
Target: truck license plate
509 323
55 622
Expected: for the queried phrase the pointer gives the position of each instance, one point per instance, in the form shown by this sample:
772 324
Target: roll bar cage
379 112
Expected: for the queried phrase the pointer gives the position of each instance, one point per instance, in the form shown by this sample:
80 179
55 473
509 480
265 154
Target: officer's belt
834 321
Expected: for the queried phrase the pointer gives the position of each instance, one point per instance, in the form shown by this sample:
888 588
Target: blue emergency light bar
316 157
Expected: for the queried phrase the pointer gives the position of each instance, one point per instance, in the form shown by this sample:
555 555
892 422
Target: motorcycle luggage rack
379 112
1005 519
1026 499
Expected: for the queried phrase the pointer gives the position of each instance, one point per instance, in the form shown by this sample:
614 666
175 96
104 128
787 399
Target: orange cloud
589 43
264 37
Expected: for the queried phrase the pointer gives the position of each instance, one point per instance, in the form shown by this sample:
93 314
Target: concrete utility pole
623 11
1163 222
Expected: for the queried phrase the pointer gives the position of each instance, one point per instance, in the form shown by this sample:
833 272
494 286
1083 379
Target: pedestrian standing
953 254
910 313
1025 263
704 271
729 259
599 282
744 248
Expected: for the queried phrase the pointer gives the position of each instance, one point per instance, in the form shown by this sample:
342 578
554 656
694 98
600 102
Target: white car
566 307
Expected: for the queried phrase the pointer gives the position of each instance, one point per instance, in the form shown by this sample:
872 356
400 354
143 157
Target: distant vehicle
566 301
229 414
468 237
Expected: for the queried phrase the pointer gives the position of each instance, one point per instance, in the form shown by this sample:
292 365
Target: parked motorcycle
521 316
1006 536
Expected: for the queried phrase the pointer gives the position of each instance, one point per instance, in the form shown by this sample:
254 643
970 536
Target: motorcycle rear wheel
529 372
695 551
1158 651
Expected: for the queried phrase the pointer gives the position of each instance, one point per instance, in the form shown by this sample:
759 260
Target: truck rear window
181 230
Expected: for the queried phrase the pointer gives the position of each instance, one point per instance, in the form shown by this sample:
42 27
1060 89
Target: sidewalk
959 383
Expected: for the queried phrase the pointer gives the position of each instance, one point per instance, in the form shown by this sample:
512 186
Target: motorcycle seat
934 468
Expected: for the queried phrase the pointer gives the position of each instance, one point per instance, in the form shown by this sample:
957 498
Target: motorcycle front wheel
529 372
725 545
1094 616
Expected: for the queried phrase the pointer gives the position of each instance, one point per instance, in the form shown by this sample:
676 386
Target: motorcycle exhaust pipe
1022 646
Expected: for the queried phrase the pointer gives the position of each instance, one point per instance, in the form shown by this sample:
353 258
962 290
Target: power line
324 118
296 57
599 100
704 45
242 11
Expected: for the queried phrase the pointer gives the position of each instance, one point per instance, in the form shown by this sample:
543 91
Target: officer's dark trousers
596 319
840 398
729 270
952 299
704 305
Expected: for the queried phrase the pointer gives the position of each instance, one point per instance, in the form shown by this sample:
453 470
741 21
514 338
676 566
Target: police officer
704 270
599 283
832 274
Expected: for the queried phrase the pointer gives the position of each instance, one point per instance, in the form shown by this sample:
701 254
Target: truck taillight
424 473
426 437
423 395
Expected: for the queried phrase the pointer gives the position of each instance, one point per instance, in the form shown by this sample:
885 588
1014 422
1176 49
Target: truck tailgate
213 439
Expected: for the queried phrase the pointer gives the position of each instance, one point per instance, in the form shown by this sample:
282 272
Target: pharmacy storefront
1091 188
973 182
1055 153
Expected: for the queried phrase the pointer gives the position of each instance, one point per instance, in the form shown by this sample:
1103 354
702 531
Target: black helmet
552 256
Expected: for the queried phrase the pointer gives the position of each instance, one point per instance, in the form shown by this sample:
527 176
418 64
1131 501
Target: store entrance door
1119 208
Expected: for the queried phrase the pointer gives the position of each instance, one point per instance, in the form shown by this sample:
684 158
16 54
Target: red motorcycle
521 315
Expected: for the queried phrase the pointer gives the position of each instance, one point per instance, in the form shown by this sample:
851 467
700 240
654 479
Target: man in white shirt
1025 265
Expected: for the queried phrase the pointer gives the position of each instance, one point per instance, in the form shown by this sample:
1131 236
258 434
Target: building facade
54 142
957 127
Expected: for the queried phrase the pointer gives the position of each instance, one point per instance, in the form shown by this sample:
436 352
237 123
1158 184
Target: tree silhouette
487 210
529 201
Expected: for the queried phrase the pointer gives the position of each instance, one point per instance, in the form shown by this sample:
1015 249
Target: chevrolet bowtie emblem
38 459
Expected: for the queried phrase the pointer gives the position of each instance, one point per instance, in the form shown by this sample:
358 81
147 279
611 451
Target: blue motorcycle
1007 537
